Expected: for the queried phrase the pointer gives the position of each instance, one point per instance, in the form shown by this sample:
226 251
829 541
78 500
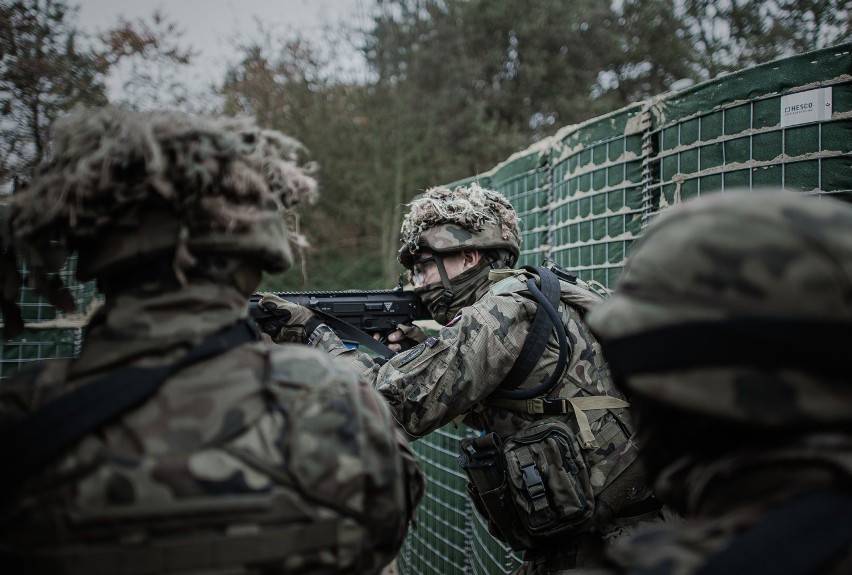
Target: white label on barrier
804 107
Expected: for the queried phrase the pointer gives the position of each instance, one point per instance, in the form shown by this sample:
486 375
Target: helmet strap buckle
449 294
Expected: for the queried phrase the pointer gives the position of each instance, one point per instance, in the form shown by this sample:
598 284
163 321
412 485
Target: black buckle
555 406
559 271
533 481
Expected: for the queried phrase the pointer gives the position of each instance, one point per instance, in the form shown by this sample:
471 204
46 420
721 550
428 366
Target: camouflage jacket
454 374
724 498
266 455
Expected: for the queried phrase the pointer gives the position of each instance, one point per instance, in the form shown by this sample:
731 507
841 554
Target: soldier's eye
418 269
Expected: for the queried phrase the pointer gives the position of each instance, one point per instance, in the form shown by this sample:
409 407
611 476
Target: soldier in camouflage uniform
730 331
257 458
464 242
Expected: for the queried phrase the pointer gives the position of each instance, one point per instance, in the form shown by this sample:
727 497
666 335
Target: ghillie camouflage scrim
730 443
446 220
124 185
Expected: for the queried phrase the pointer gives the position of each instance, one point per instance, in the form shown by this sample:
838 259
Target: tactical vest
569 290
539 483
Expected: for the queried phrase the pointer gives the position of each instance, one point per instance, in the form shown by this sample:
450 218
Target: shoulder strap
59 424
546 318
347 331
563 405
798 538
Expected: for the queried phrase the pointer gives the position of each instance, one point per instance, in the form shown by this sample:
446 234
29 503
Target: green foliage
495 74
653 52
43 73
47 67
331 272
153 62
366 139
728 35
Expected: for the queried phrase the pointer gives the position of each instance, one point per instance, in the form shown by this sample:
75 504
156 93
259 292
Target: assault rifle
347 312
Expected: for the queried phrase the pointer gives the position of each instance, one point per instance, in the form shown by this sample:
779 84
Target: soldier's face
424 271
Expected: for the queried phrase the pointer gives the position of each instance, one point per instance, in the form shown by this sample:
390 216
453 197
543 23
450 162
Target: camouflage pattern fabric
740 256
728 443
235 449
727 496
454 374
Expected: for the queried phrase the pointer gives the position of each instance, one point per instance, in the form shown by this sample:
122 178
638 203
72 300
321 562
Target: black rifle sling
545 319
798 538
346 330
44 435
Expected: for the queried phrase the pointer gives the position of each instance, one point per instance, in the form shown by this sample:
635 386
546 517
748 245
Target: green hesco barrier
36 344
525 181
597 190
49 333
449 536
587 193
787 123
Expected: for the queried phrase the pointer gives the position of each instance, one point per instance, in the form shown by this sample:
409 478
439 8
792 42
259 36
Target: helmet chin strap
447 298
449 295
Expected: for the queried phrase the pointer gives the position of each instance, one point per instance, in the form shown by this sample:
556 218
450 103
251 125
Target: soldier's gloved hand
405 336
298 321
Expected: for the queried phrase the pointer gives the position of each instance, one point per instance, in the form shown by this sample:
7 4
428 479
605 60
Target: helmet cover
466 217
124 186
773 263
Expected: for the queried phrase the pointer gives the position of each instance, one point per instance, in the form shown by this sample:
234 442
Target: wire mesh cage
49 333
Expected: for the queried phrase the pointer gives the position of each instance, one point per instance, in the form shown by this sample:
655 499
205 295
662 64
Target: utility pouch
548 479
482 460
545 488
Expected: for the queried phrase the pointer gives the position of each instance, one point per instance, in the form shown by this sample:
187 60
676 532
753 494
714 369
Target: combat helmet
737 308
446 220
123 188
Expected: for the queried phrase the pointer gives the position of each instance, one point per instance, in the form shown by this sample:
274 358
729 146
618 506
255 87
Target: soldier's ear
470 258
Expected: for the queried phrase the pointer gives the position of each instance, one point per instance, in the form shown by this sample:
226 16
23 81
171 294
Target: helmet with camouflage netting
125 187
467 217
737 308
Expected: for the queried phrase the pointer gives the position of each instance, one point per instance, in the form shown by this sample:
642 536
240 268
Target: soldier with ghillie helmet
460 246
178 441
730 331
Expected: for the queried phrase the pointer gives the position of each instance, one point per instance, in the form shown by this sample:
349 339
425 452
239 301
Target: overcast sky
209 26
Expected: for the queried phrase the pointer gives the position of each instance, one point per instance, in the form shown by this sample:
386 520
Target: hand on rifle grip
404 337
294 315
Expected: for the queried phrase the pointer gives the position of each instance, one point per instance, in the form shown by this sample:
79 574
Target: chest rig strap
55 427
546 319
561 406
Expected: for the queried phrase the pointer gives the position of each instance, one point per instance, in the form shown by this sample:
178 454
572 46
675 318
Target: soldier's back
264 456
